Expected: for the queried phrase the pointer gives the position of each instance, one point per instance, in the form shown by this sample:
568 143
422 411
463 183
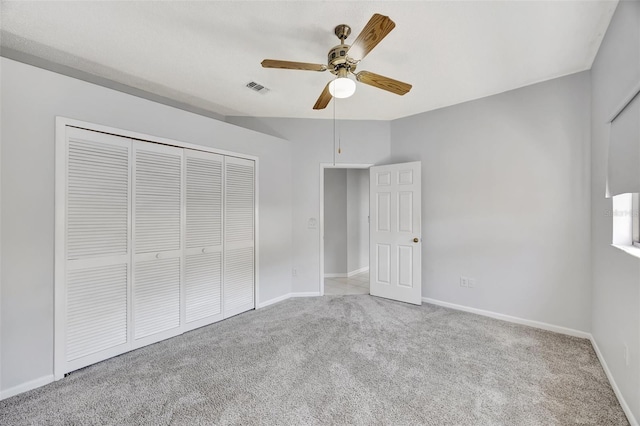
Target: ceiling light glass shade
342 87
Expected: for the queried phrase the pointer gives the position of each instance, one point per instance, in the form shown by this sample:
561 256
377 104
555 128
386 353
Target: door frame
61 124
324 166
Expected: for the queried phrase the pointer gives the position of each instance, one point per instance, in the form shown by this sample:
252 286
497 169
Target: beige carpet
338 360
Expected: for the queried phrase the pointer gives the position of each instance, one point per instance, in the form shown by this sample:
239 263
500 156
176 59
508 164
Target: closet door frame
61 124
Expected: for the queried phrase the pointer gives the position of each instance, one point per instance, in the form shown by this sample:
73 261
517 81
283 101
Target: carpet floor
337 360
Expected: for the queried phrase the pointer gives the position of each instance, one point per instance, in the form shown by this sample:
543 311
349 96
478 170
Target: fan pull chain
334 131
335 101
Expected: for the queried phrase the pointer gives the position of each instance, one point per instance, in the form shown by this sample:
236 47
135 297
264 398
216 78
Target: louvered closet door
203 239
94 299
157 231
238 288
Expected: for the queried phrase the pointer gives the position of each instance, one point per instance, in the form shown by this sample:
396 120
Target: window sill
632 250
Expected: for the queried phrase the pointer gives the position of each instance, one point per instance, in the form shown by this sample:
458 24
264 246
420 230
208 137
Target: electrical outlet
294 272
464 282
471 282
625 354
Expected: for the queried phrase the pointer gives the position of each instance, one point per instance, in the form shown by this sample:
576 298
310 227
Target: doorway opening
344 229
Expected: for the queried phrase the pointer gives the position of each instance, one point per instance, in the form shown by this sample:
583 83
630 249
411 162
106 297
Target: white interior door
239 238
157 231
92 280
395 240
203 238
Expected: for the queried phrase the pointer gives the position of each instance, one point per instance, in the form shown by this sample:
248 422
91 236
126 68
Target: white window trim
632 250
634 247
626 223
635 220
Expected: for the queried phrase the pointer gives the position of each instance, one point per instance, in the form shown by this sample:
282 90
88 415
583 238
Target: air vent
257 87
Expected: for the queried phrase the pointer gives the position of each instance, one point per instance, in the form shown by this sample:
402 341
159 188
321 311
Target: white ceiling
203 53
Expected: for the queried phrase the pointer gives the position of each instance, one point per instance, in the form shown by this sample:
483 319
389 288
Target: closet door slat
203 282
239 205
204 199
97 198
238 280
96 310
156 296
158 186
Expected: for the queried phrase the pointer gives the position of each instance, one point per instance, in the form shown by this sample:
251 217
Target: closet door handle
204 250
158 256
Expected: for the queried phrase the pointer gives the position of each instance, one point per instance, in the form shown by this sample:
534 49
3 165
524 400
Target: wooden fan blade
324 99
376 29
384 83
288 65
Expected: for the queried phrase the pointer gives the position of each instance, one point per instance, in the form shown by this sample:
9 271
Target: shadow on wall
254 123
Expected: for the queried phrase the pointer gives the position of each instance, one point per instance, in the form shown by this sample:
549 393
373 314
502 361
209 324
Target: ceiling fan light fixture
342 87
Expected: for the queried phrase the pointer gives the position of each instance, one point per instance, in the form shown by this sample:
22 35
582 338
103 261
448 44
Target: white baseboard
285 297
336 275
509 318
306 294
274 300
616 389
24 387
346 274
358 271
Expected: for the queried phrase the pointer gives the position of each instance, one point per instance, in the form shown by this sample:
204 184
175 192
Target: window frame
635 220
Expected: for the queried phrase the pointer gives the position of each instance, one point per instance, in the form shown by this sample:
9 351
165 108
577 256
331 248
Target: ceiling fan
343 60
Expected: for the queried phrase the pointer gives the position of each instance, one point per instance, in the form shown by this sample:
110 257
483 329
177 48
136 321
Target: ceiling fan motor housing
337 58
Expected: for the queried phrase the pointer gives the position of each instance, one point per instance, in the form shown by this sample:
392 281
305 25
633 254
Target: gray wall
31 98
363 142
505 200
335 221
357 219
616 274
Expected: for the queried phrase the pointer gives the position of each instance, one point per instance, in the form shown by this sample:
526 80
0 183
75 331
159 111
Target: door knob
415 240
